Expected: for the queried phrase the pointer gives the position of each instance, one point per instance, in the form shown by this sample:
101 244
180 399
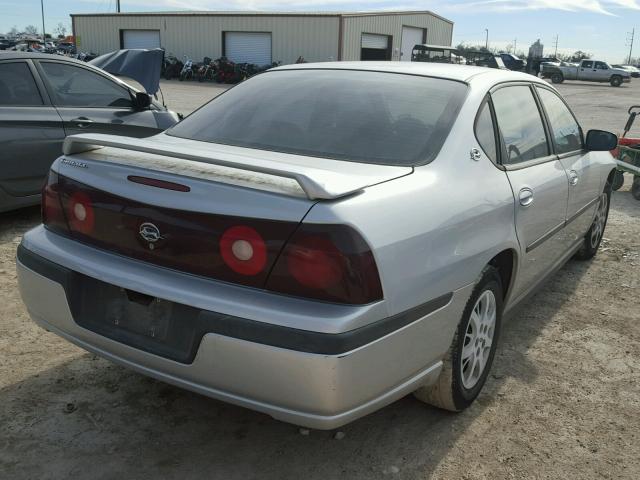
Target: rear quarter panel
433 232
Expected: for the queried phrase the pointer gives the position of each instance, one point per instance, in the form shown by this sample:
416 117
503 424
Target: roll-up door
369 40
411 36
248 47
375 47
140 38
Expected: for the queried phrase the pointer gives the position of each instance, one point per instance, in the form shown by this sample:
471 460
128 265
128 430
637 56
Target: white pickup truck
589 71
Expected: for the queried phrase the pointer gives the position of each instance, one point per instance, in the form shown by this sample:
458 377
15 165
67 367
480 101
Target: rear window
371 117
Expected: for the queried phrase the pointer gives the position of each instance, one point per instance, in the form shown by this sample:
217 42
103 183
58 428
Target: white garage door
248 47
379 42
141 38
410 36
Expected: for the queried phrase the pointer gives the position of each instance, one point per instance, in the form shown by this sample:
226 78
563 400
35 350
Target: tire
616 81
557 78
459 383
593 237
635 187
618 180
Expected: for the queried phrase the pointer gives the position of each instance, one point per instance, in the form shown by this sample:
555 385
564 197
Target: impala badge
150 234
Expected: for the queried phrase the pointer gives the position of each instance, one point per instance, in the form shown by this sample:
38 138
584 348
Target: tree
31 30
579 55
13 32
60 30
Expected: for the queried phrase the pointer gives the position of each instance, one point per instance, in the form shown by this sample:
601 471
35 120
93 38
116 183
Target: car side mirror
600 141
141 101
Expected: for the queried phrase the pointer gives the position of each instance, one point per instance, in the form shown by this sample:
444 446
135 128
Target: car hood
143 66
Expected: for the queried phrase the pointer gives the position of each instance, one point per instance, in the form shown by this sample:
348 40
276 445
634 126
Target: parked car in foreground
322 239
633 71
44 98
589 71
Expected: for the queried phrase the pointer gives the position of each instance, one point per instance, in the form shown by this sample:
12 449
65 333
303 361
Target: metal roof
264 13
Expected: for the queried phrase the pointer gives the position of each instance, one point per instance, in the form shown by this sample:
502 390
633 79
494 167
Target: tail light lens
243 250
51 208
327 262
80 213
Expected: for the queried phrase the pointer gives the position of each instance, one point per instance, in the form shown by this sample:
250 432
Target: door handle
573 178
82 122
526 197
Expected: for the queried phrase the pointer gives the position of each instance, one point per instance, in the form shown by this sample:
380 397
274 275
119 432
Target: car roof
4 55
461 73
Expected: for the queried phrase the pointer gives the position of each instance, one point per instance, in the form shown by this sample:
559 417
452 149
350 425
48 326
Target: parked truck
589 71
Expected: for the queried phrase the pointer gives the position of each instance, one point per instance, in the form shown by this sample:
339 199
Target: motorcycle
187 70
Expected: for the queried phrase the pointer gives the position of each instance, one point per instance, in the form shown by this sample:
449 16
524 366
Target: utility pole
44 39
630 40
555 55
118 6
486 41
515 45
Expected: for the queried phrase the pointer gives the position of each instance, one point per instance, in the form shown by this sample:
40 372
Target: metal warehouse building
265 37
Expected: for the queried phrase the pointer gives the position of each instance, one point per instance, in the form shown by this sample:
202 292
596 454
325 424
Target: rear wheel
557 78
616 81
594 236
468 361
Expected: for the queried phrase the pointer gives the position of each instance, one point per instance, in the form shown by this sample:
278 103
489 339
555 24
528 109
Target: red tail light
243 250
327 262
52 213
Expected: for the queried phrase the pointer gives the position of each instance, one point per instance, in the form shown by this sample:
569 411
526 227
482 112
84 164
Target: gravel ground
563 400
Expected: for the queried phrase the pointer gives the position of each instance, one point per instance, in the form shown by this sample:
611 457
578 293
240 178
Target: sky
600 27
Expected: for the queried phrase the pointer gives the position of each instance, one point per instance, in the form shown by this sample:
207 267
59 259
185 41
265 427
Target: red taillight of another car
321 262
327 262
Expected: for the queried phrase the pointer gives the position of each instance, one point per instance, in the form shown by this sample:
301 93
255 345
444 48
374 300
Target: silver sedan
322 239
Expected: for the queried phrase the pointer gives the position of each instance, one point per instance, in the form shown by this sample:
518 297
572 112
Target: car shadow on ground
17 222
88 415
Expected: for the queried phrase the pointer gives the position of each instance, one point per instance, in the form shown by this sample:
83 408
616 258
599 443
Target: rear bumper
317 390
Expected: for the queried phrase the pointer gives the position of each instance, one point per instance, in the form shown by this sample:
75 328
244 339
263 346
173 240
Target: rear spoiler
336 180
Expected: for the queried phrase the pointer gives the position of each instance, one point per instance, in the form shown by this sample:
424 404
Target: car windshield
371 117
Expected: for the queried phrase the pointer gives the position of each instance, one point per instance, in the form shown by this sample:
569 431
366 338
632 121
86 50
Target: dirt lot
563 400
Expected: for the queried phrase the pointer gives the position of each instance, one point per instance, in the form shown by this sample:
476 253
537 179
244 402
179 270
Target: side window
601 66
520 124
565 130
78 87
17 86
588 64
484 131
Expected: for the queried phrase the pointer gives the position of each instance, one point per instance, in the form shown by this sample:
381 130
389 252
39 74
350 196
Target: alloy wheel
478 339
597 230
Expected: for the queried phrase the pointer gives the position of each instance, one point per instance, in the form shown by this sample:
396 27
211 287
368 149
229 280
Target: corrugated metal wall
439 31
314 37
197 36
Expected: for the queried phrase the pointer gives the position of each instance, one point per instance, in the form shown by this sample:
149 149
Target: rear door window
520 124
588 64
74 86
17 85
566 132
485 133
